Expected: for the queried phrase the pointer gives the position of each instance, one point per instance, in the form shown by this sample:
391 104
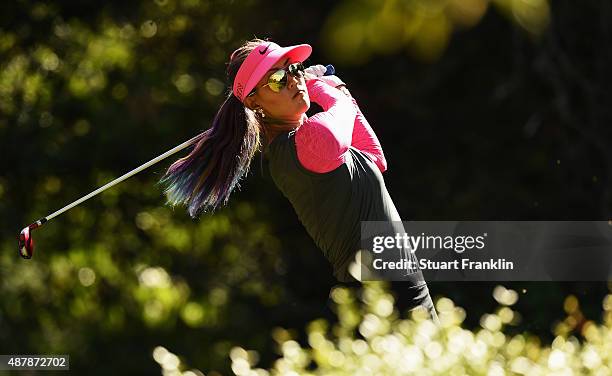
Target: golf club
25 241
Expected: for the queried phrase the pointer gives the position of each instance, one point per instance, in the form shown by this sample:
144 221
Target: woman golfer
328 165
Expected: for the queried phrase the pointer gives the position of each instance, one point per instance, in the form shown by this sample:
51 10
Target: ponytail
204 179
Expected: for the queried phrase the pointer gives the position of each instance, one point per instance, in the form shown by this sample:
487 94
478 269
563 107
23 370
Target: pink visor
260 60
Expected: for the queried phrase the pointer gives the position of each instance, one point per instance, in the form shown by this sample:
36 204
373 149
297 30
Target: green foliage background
490 110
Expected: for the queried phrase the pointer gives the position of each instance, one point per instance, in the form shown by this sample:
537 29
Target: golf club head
26 243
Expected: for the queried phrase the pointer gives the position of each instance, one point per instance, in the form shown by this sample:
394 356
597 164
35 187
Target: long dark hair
222 154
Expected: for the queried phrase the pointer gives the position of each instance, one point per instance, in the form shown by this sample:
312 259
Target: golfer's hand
318 71
314 71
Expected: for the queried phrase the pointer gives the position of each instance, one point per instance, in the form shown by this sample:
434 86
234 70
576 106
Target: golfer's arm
363 137
323 140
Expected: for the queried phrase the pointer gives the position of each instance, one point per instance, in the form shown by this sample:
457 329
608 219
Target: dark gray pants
419 296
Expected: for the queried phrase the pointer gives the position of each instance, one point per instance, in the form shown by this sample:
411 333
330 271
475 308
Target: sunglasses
278 80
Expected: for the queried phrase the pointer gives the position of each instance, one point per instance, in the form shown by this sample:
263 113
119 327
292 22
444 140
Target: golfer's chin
303 104
296 110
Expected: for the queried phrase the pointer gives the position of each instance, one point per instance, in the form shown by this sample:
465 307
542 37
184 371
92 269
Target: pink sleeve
365 139
323 140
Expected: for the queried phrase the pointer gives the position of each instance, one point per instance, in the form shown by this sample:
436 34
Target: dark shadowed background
486 110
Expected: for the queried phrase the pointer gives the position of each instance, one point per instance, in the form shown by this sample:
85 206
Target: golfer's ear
250 103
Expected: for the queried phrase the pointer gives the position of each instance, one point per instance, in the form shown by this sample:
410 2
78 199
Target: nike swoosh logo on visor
264 50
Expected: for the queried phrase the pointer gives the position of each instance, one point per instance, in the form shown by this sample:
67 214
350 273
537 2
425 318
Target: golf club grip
330 70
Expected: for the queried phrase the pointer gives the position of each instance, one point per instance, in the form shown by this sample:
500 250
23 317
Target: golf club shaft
121 178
